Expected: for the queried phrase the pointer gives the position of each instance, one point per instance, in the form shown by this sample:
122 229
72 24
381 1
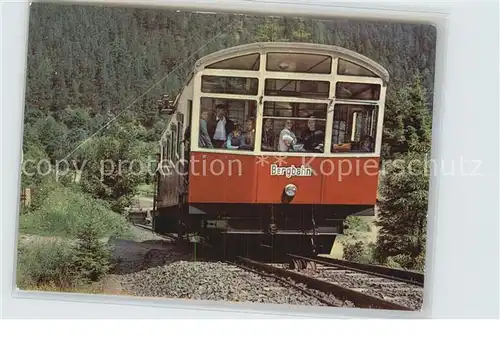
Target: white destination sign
291 171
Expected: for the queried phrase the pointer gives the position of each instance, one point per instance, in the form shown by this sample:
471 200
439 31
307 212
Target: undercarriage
265 230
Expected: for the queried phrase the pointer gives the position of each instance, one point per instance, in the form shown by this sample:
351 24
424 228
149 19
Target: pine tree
402 216
407 120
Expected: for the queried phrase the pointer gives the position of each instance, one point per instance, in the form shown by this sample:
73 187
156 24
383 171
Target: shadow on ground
132 256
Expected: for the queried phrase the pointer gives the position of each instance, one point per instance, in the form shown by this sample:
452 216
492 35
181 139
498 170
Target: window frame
250 80
327 57
264 74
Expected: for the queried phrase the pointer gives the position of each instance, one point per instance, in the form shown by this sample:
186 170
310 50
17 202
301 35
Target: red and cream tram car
272 145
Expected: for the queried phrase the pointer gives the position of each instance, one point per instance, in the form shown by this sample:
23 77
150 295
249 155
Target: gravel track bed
215 281
397 292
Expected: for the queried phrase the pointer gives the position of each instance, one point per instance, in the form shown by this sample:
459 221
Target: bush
45 263
356 225
61 211
92 259
359 252
353 251
407 262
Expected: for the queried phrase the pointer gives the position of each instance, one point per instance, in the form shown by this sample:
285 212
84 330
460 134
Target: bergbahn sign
291 171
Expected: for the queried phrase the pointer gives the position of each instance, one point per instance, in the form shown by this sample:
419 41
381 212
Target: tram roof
294 47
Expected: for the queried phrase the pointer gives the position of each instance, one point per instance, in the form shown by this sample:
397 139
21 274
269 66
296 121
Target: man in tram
268 135
311 138
204 138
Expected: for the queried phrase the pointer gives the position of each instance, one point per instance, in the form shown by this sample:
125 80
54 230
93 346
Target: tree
407 121
405 178
114 165
402 215
52 135
270 30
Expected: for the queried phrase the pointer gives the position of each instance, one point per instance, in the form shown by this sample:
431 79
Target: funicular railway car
270 146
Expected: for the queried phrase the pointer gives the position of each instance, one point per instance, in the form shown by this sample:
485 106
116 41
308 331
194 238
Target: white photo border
462 245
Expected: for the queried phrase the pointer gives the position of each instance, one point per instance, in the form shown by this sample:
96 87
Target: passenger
268 136
250 132
236 139
287 138
313 139
224 126
366 144
204 137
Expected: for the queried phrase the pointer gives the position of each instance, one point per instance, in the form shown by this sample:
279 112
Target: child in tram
236 139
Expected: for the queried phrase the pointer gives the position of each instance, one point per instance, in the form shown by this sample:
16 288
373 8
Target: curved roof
262 47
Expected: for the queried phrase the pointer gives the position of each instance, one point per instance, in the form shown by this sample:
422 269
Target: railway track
339 283
408 277
340 286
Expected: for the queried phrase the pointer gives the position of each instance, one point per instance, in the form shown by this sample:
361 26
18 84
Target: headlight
290 190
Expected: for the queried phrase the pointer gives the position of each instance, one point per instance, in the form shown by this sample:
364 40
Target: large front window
296 96
294 127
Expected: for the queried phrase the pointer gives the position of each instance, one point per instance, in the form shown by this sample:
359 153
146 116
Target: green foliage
403 207
46 262
34 163
405 178
92 258
356 225
353 251
52 135
407 121
103 58
116 165
60 211
358 251
404 261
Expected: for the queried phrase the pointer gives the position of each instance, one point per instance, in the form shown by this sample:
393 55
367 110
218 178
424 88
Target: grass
64 211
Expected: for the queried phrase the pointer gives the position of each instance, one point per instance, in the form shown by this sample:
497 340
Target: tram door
187 146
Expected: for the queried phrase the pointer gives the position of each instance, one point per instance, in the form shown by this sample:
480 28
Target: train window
246 62
168 146
302 63
294 127
357 91
164 149
180 118
173 143
229 85
298 88
351 69
238 132
354 128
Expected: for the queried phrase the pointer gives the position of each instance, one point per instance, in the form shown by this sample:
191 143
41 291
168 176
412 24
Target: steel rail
295 286
357 298
403 276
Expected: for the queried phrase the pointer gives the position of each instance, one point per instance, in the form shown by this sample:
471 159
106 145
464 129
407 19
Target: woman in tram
287 138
